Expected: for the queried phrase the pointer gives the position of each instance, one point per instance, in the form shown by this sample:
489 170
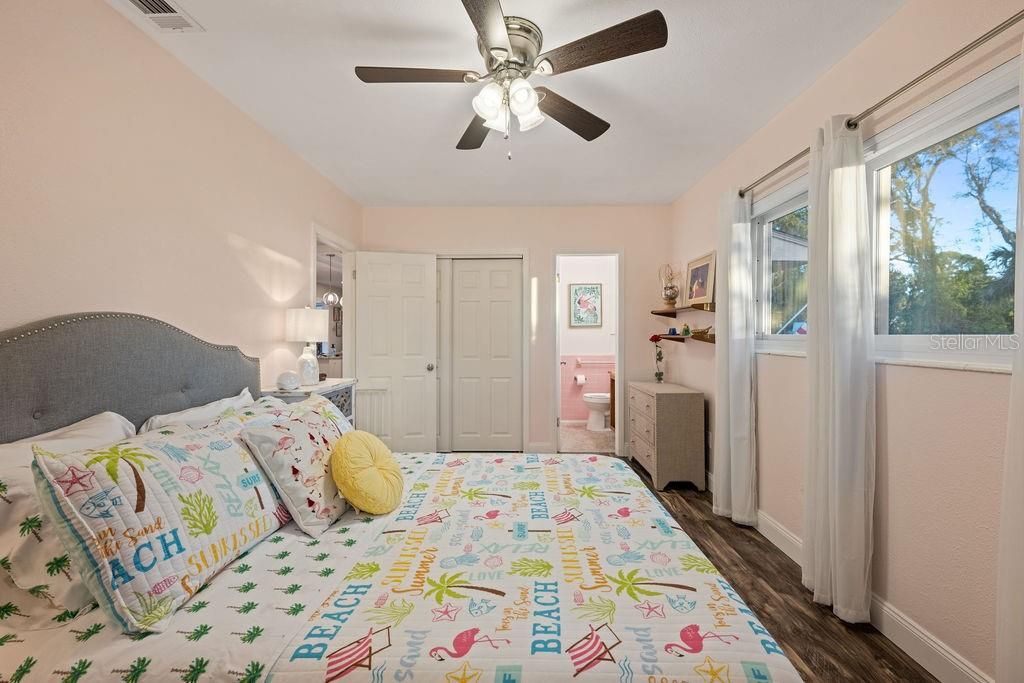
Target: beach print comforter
498 568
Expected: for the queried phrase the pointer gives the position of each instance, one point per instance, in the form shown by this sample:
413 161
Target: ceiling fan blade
572 116
489 21
639 34
474 135
398 74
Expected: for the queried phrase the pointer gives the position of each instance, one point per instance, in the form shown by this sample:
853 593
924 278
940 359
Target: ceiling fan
511 48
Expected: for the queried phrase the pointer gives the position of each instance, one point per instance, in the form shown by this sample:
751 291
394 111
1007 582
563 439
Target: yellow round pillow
366 473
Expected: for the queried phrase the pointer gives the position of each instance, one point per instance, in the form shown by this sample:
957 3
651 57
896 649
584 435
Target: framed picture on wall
585 305
700 280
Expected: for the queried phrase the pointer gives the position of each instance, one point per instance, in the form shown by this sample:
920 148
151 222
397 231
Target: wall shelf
671 312
708 339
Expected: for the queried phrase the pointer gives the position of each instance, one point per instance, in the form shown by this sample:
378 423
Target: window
780 245
948 212
943 192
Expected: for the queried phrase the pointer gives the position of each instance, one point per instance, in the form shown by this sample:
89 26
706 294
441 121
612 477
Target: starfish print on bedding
650 609
464 674
713 672
75 479
446 613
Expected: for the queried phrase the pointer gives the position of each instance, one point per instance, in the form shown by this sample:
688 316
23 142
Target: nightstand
340 391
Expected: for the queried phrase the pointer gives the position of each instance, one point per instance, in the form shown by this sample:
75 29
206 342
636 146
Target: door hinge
353 274
558 422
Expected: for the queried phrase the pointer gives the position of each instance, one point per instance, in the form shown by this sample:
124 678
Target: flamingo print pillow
149 520
295 452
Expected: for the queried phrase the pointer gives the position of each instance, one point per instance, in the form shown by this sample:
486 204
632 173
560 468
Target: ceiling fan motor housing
526 40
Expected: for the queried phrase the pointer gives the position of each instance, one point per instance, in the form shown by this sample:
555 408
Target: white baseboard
938 658
572 422
941 660
781 537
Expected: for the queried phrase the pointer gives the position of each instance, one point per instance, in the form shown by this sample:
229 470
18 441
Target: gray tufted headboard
64 369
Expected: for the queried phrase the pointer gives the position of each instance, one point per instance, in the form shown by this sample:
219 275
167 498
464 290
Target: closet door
487 355
396 348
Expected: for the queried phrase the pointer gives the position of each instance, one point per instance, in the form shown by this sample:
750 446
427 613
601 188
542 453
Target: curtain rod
853 122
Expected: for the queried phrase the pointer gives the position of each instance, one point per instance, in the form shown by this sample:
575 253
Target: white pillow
31 552
200 415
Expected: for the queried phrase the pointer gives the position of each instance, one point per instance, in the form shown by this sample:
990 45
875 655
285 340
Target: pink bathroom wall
598 379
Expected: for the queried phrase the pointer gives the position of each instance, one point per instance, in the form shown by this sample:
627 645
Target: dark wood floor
821 646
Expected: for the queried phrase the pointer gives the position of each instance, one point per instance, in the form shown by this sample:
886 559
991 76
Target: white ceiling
729 66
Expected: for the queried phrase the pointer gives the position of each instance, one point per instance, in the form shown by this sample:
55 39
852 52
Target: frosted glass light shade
522 98
487 103
306 325
530 120
499 122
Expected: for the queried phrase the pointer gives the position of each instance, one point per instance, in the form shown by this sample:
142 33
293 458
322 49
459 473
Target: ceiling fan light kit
511 50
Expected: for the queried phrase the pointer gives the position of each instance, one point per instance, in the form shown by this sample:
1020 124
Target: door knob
430 367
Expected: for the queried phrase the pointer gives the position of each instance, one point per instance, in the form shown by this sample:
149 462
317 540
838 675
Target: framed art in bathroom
585 305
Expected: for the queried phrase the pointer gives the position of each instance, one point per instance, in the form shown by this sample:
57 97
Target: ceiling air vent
166 17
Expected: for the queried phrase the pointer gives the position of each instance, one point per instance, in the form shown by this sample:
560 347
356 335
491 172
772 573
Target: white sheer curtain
1010 584
735 458
839 474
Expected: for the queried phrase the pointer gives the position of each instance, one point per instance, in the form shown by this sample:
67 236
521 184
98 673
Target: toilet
599 405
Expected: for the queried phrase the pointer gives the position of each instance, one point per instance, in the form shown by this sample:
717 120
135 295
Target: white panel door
487 355
396 348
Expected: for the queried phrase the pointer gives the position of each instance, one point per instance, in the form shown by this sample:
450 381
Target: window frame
787 199
991 95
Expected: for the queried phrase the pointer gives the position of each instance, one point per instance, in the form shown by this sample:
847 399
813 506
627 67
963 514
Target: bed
494 567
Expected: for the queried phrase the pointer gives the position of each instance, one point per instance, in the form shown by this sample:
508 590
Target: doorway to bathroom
588 352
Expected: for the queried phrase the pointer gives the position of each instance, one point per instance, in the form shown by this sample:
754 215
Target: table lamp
307 325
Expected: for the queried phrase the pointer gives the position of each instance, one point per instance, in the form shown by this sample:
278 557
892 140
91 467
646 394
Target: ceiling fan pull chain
508 124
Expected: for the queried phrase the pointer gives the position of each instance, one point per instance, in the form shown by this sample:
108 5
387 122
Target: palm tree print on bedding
615 592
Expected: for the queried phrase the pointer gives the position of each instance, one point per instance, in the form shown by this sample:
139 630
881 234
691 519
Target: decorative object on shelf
700 280
331 298
669 288
335 313
585 305
686 330
659 376
288 380
673 331
703 334
307 325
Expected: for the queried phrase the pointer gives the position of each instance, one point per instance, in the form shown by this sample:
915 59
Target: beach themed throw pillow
295 452
177 509
32 556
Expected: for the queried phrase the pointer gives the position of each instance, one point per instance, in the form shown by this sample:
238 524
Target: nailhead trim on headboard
144 318
35 397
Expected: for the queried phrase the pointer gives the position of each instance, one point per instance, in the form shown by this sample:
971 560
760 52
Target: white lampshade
499 122
487 103
530 120
522 98
306 324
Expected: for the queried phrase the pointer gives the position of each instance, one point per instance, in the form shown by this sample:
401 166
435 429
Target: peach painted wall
940 433
127 183
598 380
639 233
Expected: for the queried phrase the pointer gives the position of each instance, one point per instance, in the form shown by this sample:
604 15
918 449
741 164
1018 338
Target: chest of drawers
666 432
